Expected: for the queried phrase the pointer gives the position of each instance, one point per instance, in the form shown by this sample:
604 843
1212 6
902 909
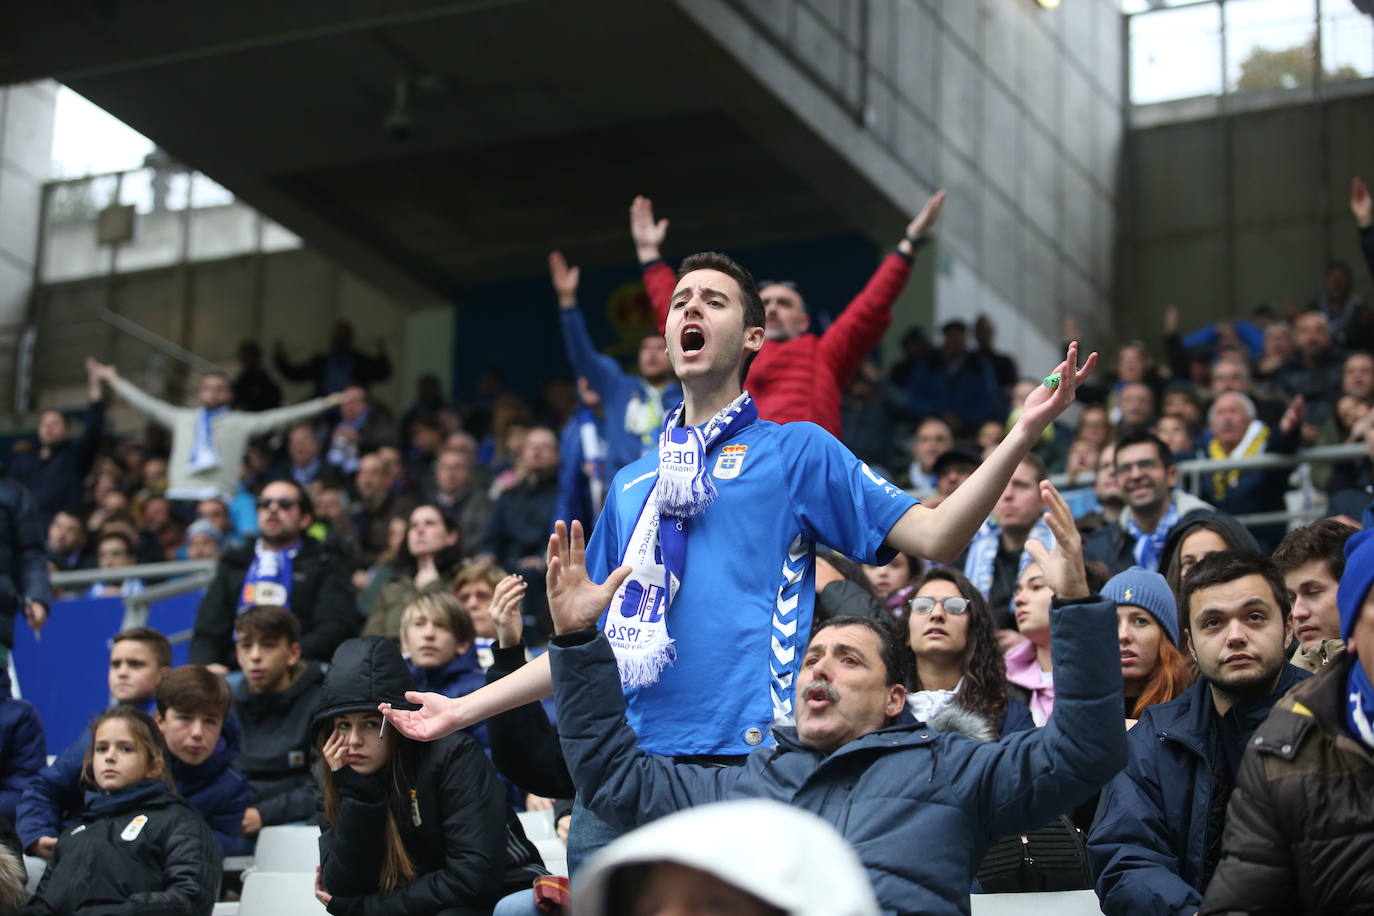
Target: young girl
893 582
411 827
950 630
138 848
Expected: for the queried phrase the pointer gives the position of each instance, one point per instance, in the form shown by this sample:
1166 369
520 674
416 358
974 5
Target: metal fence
180 577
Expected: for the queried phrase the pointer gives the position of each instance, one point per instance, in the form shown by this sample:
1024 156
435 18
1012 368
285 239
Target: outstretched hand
99 371
504 609
1062 568
647 233
1361 205
1044 405
437 716
564 279
922 222
575 601
1292 417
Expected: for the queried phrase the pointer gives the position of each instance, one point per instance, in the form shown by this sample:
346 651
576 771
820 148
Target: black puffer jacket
275 752
1300 826
141 850
23 556
466 844
322 597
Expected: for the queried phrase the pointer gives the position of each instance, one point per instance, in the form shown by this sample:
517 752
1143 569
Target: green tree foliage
1286 68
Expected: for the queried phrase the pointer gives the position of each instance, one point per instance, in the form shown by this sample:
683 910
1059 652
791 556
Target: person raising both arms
734 506
799 376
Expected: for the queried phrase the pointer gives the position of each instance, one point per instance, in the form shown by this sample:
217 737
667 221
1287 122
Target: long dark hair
396 869
1236 536
985 674
445 560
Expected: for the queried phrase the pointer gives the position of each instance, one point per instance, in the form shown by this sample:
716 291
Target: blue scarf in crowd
269 577
1359 713
981 561
204 452
657 548
1148 547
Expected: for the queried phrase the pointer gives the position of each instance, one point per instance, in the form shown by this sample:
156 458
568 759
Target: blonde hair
443 609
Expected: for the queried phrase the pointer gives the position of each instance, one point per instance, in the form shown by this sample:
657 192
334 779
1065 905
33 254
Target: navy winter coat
458 678
1148 843
56 481
23 748
919 807
56 796
23 555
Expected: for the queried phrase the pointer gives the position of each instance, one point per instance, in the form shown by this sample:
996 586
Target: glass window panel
1347 42
1175 53
1270 44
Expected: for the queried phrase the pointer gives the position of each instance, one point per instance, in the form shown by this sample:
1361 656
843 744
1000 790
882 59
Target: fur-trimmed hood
955 718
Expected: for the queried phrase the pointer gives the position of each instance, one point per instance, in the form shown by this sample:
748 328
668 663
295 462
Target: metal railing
181 576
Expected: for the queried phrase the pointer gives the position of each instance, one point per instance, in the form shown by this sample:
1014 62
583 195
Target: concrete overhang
534 122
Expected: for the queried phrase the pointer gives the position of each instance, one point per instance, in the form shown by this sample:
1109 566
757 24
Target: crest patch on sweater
729 462
135 827
295 759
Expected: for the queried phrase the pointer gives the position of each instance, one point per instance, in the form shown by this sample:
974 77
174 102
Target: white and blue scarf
204 452
269 577
636 622
1148 547
1359 712
981 562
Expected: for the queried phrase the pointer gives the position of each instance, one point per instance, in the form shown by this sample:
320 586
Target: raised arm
265 421
941 533
648 235
1362 208
601 371
159 411
861 325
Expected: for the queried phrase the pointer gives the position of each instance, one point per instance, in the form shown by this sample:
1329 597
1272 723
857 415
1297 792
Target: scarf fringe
678 498
643 668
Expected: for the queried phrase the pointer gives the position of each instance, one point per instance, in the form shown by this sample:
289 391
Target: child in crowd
113 550
140 658
139 848
274 704
437 635
412 827
193 713
893 582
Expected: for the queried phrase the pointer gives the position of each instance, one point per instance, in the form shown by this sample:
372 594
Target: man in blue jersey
709 543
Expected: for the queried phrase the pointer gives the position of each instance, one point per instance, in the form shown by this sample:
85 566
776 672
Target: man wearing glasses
1146 474
283 568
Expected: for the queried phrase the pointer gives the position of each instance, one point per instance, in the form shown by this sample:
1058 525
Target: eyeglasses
1144 464
952 605
284 503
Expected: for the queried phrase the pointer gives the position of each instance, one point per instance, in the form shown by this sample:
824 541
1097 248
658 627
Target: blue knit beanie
1355 582
1139 587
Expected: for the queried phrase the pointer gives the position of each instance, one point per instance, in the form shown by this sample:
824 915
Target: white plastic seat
274 894
1060 903
287 848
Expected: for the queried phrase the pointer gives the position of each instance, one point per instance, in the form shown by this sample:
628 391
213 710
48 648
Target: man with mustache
1157 836
919 807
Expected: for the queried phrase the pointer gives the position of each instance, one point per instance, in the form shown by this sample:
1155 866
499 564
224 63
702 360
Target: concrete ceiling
534 122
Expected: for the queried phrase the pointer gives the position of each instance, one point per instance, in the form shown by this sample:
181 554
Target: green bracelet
1052 381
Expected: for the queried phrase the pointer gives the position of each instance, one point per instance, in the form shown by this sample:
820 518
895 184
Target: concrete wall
1015 109
1228 212
210 306
26 118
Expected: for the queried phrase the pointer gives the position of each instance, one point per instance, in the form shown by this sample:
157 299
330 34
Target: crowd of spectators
365 550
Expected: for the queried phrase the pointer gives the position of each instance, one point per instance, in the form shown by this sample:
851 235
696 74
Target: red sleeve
860 326
659 281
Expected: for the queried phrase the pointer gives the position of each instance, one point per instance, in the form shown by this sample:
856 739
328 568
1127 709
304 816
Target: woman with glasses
426 561
959 668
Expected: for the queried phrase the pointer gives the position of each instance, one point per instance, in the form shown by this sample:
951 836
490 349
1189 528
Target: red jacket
803 378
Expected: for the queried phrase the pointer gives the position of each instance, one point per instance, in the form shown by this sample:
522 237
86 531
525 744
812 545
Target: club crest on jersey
135 827
729 462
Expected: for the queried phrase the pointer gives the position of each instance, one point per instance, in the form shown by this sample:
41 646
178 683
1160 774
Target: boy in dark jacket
1157 835
202 740
140 658
273 705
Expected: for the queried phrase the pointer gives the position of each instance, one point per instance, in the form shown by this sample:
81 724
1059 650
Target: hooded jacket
467 846
1148 844
920 807
322 597
1300 826
139 850
276 751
